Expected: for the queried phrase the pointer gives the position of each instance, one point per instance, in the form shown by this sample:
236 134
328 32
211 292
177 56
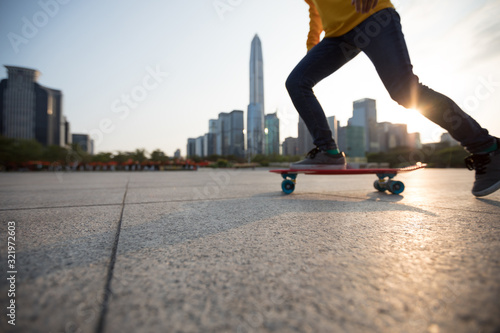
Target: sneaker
487 168
317 159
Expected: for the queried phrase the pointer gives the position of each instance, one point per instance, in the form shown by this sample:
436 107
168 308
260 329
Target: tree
26 150
55 153
121 157
139 155
77 154
6 150
158 156
102 157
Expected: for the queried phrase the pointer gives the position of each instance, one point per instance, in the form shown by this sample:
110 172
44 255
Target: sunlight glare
429 132
415 120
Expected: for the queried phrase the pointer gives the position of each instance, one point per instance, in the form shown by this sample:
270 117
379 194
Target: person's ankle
333 152
491 148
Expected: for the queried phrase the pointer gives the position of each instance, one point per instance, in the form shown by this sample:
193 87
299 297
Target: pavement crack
107 288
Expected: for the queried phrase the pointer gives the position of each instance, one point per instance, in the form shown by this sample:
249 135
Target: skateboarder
373 27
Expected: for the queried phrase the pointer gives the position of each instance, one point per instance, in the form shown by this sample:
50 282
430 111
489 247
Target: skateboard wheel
288 186
395 186
378 186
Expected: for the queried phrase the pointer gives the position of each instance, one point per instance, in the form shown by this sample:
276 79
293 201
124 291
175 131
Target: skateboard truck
385 182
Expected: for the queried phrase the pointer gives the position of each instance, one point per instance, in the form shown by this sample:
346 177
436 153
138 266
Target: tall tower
255 115
272 134
364 114
31 111
19 103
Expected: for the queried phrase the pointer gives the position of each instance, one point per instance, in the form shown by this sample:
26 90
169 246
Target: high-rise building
177 153
211 137
229 134
272 134
210 144
383 140
212 126
414 140
255 114
355 137
67 132
198 146
222 134
191 147
333 124
290 146
342 138
397 135
305 138
31 111
83 141
237 142
365 115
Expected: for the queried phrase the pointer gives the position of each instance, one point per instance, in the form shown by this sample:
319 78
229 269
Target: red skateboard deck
385 176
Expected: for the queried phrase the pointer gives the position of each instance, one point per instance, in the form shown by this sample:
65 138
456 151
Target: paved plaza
227 251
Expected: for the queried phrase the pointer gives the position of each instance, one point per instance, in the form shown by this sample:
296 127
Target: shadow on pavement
489 202
195 220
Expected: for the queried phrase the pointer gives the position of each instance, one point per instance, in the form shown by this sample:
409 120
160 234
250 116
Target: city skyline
141 76
362 135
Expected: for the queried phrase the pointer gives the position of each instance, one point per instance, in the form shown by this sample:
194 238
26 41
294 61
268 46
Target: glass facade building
272 134
31 111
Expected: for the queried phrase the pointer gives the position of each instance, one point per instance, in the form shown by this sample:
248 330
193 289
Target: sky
150 74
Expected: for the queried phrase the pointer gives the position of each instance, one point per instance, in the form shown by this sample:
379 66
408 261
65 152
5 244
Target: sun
429 131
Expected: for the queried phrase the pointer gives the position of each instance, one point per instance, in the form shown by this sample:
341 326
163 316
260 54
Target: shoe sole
487 191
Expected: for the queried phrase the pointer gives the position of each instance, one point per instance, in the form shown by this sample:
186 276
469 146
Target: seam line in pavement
107 288
53 207
120 204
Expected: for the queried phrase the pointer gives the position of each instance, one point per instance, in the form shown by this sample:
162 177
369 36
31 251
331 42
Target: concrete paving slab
226 251
62 257
335 266
205 184
443 188
50 189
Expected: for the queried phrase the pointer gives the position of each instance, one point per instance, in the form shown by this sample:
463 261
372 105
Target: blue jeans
381 38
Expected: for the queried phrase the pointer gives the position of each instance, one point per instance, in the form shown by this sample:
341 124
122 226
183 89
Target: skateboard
384 183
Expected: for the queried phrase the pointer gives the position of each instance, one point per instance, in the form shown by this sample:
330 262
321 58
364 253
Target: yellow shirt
336 18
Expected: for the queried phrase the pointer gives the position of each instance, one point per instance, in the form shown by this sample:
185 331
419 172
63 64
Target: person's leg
383 42
321 61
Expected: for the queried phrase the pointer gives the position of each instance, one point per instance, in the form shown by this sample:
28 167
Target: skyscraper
272 134
305 139
19 103
31 111
191 147
334 127
291 146
255 115
229 135
82 140
364 114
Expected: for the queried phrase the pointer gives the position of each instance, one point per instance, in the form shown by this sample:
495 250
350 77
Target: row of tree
16 152
19 152
436 155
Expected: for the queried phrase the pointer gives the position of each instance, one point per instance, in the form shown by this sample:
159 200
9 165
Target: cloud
476 35
485 32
